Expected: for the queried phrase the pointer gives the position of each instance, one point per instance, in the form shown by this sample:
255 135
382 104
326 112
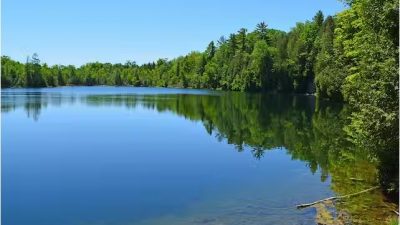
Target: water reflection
33 102
311 131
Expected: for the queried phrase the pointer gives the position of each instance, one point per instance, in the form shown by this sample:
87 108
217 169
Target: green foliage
367 37
12 73
246 61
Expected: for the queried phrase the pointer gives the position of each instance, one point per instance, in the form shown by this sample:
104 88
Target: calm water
105 155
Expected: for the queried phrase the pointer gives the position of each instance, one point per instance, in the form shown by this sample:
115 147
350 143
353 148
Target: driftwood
336 198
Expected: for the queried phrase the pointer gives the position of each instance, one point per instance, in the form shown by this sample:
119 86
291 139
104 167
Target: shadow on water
311 130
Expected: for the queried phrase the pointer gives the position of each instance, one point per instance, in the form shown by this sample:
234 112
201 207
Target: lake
124 155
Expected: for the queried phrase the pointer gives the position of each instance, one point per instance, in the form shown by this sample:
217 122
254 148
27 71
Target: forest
351 57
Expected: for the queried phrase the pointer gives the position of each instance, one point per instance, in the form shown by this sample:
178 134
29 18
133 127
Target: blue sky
80 31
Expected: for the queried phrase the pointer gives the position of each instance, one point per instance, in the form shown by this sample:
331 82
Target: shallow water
108 155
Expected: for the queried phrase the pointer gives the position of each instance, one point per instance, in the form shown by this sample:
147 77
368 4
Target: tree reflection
311 131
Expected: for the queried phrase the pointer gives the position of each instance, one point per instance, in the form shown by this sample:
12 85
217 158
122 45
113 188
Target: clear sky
80 31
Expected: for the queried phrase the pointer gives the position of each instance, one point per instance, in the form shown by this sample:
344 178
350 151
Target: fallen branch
335 198
395 212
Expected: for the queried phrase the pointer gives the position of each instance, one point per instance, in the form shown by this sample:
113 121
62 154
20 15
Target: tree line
261 60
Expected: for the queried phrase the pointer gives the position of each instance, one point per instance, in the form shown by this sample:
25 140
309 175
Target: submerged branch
356 179
336 198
